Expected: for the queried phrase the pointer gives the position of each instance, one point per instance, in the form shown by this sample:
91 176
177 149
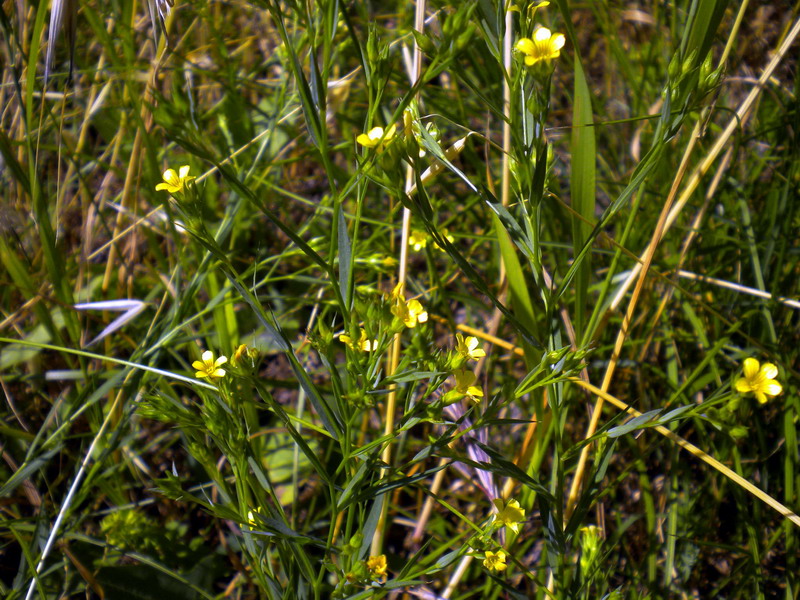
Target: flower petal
773 388
525 46
208 357
750 367
760 396
768 371
183 172
742 385
220 361
365 141
558 41
475 392
198 365
218 373
541 34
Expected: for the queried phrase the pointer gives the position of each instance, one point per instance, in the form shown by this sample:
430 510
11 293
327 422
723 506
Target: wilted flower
363 344
510 514
759 379
377 136
175 182
244 351
464 384
376 565
467 347
495 561
545 46
240 351
209 367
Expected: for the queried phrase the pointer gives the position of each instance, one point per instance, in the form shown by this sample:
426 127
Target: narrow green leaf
582 188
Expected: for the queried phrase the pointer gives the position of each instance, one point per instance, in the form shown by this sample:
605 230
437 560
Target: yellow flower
464 381
759 379
446 235
468 348
417 240
409 312
495 561
510 515
544 46
175 182
377 136
363 344
376 565
209 367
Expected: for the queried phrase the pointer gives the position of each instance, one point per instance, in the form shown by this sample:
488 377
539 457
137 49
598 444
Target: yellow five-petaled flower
410 312
363 343
376 565
464 384
495 561
544 47
511 514
377 136
467 347
175 182
759 379
208 367
446 235
417 240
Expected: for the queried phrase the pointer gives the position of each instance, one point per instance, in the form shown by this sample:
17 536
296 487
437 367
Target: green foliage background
125 476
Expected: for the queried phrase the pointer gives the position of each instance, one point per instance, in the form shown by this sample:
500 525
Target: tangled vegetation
399 300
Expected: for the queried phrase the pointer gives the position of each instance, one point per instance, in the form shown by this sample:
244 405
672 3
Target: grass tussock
394 300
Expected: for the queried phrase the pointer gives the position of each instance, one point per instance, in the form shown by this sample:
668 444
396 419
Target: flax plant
421 300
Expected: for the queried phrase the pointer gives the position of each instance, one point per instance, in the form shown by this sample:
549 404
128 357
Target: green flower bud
590 542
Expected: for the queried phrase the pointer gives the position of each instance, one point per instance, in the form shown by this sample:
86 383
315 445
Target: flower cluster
510 515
